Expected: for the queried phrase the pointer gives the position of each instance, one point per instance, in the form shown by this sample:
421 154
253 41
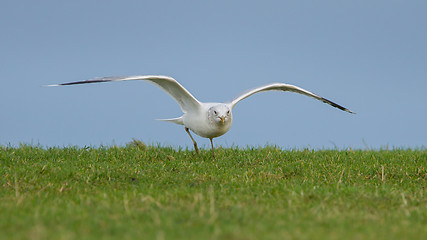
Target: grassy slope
264 193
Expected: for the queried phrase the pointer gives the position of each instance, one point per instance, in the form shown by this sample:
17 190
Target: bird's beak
222 119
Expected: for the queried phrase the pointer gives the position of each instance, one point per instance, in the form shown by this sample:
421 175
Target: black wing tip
79 82
85 82
349 111
337 106
344 109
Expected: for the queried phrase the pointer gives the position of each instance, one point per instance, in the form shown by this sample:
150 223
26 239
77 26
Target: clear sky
369 56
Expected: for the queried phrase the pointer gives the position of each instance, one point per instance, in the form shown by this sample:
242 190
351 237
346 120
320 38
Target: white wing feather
283 87
183 97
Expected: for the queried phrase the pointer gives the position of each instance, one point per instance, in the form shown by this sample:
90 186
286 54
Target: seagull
206 119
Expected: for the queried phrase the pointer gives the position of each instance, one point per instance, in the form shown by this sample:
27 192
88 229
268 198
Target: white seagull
208 120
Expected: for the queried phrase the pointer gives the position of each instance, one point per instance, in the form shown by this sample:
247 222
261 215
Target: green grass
140 192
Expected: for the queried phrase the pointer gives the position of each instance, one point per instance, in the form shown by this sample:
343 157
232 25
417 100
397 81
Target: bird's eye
228 112
215 112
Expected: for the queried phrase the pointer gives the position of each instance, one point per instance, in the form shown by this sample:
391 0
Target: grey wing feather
284 87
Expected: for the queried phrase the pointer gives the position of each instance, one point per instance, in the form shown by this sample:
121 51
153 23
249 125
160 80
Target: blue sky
369 56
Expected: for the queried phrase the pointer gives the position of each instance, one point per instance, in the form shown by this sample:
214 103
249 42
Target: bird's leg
194 142
213 151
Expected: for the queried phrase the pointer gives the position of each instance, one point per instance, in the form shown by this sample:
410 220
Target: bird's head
220 114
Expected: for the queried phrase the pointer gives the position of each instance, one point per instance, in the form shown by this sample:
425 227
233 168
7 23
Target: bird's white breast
200 123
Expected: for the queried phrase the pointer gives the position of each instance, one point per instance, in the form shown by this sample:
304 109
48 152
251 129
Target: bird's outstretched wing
168 84
284 87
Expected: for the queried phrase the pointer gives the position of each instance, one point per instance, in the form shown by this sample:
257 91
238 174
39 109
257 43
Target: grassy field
140 192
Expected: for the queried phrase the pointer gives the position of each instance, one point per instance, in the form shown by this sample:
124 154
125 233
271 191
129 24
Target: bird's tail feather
177 120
